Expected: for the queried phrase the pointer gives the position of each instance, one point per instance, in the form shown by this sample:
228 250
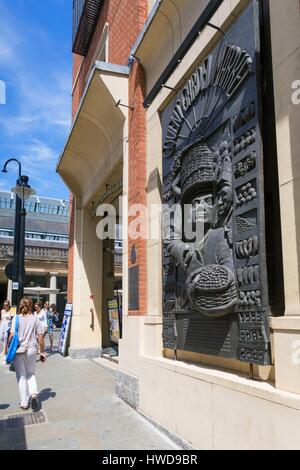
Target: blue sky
36 65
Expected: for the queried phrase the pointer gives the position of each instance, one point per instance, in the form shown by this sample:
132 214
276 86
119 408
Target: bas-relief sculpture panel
214 279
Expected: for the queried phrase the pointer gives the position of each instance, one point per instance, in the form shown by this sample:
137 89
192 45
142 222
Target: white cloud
9 39
40 109
6 53
38 161
36 156
4 186
48 100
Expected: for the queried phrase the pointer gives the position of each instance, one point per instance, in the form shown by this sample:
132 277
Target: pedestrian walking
41 314
56 321
5 323
30 333
42 317
49 319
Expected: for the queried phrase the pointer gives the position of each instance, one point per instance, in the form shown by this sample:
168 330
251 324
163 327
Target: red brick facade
137 173
125 20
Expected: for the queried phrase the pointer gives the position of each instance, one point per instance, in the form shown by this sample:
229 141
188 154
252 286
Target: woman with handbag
30 333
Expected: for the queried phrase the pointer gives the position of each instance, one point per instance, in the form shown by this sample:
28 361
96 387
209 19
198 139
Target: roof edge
98 66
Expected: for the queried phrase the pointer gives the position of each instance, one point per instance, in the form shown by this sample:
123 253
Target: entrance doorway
112 294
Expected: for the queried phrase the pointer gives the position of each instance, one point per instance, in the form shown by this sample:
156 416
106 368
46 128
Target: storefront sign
215 288
65 330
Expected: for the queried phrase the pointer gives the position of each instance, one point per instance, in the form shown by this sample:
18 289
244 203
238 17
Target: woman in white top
30 333
5 324
41 314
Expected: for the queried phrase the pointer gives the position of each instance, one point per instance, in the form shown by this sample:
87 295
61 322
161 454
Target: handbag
14 344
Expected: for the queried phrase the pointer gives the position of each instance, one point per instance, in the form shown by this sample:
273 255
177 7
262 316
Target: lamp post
23 191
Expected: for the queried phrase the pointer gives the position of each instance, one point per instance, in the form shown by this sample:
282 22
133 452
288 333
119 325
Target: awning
94 148
40 290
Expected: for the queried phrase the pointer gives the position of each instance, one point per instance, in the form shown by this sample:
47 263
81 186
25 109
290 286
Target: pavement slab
81 411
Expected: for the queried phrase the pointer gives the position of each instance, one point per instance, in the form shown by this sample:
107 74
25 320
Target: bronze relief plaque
215 296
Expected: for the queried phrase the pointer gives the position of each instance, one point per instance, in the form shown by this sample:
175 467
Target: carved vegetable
255 246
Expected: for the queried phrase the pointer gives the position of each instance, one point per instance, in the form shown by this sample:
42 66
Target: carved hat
197 170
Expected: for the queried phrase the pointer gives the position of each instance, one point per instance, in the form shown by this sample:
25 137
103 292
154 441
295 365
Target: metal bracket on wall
207 14
170 88
132 58
124 105
211 25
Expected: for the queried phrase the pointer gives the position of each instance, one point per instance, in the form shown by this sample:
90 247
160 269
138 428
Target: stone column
53 285
87 286
9 290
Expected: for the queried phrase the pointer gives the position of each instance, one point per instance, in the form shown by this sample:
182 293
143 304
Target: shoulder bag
14 344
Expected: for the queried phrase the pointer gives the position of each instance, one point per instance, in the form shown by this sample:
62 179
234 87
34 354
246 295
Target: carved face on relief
202 208
225 200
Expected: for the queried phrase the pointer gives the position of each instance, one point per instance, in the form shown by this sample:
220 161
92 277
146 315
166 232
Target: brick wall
137 173
126 18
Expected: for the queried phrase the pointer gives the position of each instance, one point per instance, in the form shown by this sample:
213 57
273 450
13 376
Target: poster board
65 329
114 320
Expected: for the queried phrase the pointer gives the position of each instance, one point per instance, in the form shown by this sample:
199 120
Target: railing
46 253
36 253
85 16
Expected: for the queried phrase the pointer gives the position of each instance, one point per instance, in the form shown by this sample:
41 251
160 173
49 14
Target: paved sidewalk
81 411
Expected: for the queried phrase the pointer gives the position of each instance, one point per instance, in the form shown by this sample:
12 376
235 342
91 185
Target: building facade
46 245
191 103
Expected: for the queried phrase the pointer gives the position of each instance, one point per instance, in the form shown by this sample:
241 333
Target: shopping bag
14 344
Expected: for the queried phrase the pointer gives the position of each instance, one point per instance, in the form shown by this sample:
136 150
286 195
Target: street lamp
23 191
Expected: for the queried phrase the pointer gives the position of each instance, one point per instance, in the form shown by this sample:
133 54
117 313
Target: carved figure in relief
204 182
